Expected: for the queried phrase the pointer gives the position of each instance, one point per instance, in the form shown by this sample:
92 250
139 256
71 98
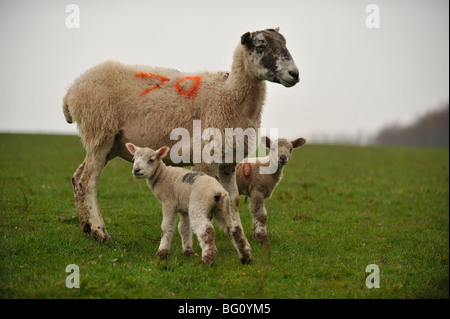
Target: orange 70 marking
192 92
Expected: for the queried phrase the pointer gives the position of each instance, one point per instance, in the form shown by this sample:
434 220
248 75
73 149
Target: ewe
113 104
259 186
196 196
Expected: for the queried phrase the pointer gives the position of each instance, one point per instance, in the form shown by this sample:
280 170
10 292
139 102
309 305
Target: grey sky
353 79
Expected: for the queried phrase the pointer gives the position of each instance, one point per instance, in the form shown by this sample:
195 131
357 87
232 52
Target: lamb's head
146 160
269 58
282 148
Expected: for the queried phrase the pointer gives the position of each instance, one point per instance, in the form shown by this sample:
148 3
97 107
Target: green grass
337 210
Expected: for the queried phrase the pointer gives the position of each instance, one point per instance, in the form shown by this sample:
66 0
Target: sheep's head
269 57
282 148
146 160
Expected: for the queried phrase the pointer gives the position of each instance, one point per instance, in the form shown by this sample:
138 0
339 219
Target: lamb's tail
219 197
222 209
222 200
66 110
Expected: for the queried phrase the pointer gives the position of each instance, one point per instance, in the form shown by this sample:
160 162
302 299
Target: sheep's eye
259 41
290 150
151 160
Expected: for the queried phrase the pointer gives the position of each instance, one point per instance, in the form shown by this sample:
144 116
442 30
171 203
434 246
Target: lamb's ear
131 148
277 29
246 39
162 152
298 142
265 140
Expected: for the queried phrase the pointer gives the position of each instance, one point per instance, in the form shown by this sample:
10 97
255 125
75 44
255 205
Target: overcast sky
354 80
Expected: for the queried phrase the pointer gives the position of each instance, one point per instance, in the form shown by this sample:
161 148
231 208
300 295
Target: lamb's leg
225 219
85 182
203 229
167 229
259 217
186 235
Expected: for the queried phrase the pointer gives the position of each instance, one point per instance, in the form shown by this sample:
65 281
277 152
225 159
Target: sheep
113 104
196 196
259 186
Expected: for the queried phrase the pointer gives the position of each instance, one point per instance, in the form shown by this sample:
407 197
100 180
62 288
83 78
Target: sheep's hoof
86 227
261 237
162 254
102 237
188 252
208 259
247 258
100 233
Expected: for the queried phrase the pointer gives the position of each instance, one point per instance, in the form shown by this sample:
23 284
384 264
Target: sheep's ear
246 39
131 148
266 141
162 152
277 29
298 142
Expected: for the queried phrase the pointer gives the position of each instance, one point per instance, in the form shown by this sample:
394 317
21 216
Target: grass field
337 210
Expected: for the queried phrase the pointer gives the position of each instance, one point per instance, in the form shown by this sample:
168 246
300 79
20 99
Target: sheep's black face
270 58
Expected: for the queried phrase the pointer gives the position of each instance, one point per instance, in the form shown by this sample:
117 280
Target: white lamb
196 196
259 186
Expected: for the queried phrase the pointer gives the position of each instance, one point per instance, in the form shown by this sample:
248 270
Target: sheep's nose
283 158
294 74
136 171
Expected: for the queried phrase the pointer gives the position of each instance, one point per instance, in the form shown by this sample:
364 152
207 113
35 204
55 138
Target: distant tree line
430 130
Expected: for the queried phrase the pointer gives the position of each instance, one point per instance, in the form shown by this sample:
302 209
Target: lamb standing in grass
113 104
196 196
259 186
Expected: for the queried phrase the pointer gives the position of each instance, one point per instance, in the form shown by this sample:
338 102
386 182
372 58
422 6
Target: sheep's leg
259 217
167 230
204 230
227 174
186 235
85 182
79 198
225 219
77 174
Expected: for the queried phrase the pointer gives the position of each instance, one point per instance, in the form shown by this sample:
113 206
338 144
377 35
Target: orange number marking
246 169
150 75
192 92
